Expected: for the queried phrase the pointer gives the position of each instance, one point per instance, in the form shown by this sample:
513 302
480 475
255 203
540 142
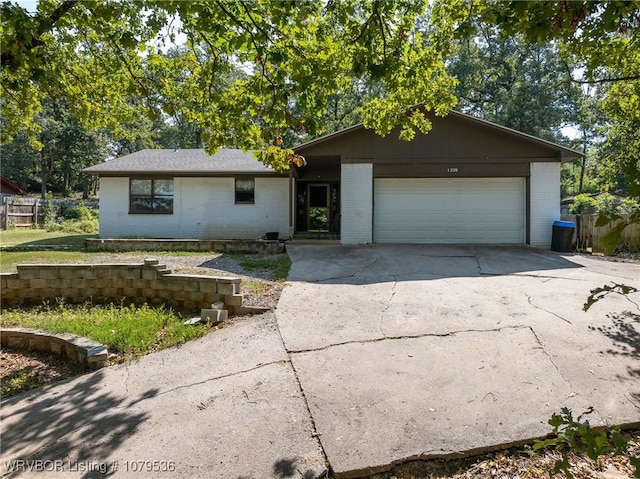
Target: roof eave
180 173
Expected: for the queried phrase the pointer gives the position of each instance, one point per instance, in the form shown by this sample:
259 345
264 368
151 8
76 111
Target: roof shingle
182 161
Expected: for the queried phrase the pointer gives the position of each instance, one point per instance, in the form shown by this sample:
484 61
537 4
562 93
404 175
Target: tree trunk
65 184
43 178
85 187
583 163
582 168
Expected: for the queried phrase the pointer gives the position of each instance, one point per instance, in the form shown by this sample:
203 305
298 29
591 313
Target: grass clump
278 266
129 331
19 382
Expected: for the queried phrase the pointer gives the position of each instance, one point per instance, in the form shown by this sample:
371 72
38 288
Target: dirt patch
24 370
518 463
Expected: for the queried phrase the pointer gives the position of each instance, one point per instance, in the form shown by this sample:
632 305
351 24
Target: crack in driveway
546 353
351 275
386 308
315 434
530 301
408 336
222 376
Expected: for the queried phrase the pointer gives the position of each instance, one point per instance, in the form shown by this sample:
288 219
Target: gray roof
191 161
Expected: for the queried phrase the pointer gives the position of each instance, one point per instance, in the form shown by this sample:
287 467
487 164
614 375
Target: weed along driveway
414 351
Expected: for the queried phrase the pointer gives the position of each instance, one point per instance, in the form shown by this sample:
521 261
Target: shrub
89 226
75 219
605 203
628 206
582 204
50 214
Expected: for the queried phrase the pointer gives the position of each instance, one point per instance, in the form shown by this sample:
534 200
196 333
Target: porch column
545 201
291 203
357 203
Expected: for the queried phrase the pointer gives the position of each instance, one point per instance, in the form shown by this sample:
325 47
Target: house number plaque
452 170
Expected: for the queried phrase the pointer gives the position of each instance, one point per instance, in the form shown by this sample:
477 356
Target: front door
318 207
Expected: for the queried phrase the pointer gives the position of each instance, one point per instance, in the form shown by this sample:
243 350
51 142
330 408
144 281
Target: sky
30 5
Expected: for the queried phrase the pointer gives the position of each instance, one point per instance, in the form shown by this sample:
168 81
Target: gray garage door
449 210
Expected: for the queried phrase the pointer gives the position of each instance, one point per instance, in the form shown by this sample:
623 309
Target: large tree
66 148
515 84
296 55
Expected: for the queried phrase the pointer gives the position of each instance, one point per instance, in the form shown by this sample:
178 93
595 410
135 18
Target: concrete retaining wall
228 246
148 282
88 353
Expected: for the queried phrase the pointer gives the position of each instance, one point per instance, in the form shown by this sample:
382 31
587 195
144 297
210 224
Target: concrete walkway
375 355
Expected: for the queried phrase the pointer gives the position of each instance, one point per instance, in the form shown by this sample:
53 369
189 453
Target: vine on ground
576 435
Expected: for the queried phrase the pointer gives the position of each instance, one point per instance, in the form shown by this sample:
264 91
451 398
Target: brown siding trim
460 161
319 175
163 175
452 170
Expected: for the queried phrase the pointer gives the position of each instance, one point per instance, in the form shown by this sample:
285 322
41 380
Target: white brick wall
203 208
357 203
545 201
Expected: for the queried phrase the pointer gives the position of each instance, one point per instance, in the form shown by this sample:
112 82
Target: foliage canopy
106 59
250 74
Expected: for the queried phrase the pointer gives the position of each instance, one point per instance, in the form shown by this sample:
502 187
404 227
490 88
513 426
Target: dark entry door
318 207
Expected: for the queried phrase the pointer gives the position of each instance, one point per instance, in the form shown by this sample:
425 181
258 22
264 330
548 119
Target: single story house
467 181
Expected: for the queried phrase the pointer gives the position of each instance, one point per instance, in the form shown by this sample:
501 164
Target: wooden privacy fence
20 212
17 212
588 235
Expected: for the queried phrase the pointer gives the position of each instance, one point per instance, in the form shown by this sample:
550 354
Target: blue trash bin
562 236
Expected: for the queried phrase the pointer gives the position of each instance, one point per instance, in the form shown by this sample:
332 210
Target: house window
245 191
151 196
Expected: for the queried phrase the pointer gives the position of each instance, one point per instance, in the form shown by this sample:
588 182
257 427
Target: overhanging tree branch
599 80
8 58
606 80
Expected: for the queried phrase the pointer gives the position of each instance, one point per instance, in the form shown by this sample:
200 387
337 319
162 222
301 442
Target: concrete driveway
375 355
413 351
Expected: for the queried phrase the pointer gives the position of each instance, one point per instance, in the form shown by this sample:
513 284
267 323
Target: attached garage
449 210
467 181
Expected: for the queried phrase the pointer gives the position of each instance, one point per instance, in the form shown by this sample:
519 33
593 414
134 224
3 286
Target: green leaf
635 462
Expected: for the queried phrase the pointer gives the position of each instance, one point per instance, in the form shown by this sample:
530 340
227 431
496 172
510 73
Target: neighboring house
7 190
467 181
10 188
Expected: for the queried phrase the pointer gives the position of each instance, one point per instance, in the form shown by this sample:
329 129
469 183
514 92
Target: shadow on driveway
624 332
79 424
368 264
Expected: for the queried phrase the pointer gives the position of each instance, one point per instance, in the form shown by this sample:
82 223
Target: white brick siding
203 208
545 201
357 203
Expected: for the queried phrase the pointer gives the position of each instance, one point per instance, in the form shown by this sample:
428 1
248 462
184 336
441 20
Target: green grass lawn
9 259
41 237
129 331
